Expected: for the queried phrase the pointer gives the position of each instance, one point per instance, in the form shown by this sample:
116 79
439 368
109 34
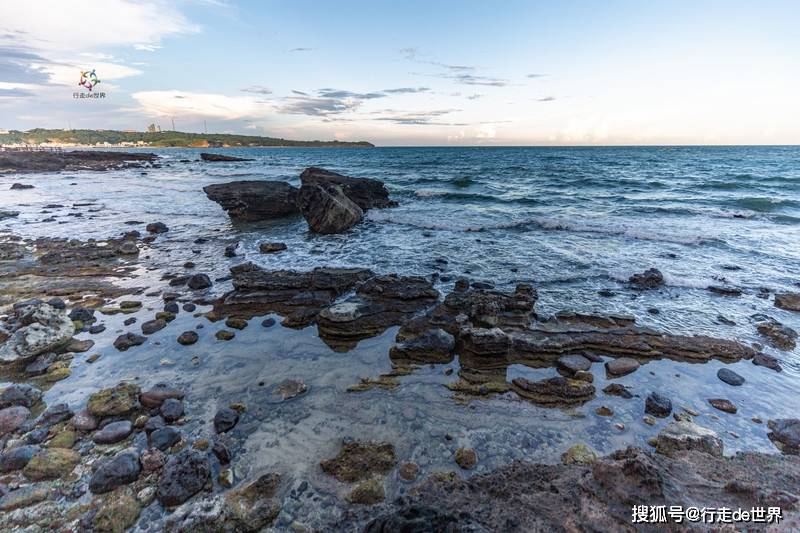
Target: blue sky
411 73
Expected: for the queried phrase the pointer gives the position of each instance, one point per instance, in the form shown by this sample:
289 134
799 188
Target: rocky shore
18 162
140 454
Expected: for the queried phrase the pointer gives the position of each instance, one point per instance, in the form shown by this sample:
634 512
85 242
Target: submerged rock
580 454
44 329
723 405
327 209
128 340
466 458
658 405
368 492
271 247
358 461
649 279
254 200
225 419
684 436
221 158
730 377
778 335
788 300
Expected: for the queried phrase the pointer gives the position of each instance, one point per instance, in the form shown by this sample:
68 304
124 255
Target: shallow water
570 220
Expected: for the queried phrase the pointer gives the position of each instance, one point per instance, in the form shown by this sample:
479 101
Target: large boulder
685 435
44 329
254 200
365 192
327 209
221 158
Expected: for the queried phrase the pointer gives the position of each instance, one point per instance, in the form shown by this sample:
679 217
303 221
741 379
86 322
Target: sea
575 222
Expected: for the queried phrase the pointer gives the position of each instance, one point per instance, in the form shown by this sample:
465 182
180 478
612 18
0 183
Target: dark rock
230 250
189 307
268 322
622 366
157 227
188 337
788 300
57 303
128 340
778 335
649 279
184 475
429 346
271 247
122 469
113 432
785 435
151 326
199 281
20 186
617 389
224 335
723 405
171 409
47 161
11 418
365 192
254 200
129 321
16 458
762 359
730 377
327 209
153 423
165 438
100 328
171 307
221 158
221 452
84 421
225 419
154 397
658 405
19 394
725 291
54 414
570 364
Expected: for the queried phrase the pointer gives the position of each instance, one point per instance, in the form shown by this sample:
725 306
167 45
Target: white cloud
62 25
187 104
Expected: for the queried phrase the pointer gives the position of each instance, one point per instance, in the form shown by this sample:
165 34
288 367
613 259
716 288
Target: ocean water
572 221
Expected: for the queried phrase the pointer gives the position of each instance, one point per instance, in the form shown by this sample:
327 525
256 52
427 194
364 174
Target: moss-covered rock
116 401
51 463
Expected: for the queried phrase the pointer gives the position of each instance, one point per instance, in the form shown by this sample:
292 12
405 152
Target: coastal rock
327 209
580 454
24 497
730 377
198 282
649 279
788 300
117 513
617 389
113 432
50 161
128 340
358 461
723 405
115 401
554 391
430 346
165 438
658 405
368 492
778 335
685 435
19 394
184 475
762 359
365 192
44 329
271 247
12 418
188 337
573 363
51 463
157 227
16 458
20 186
221 158
785 434
466 458
225 419
151 326
171 410
622 366
286 390
122 469
254 200
154 397
84 421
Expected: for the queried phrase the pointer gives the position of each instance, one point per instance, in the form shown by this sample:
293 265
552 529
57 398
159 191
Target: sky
413 72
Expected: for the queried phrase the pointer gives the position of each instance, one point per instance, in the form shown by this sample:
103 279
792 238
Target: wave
609 228
762 204
473 197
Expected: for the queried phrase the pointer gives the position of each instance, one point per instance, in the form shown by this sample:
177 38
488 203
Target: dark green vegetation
164 138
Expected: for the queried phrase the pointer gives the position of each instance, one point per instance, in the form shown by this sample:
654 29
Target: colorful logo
88 79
